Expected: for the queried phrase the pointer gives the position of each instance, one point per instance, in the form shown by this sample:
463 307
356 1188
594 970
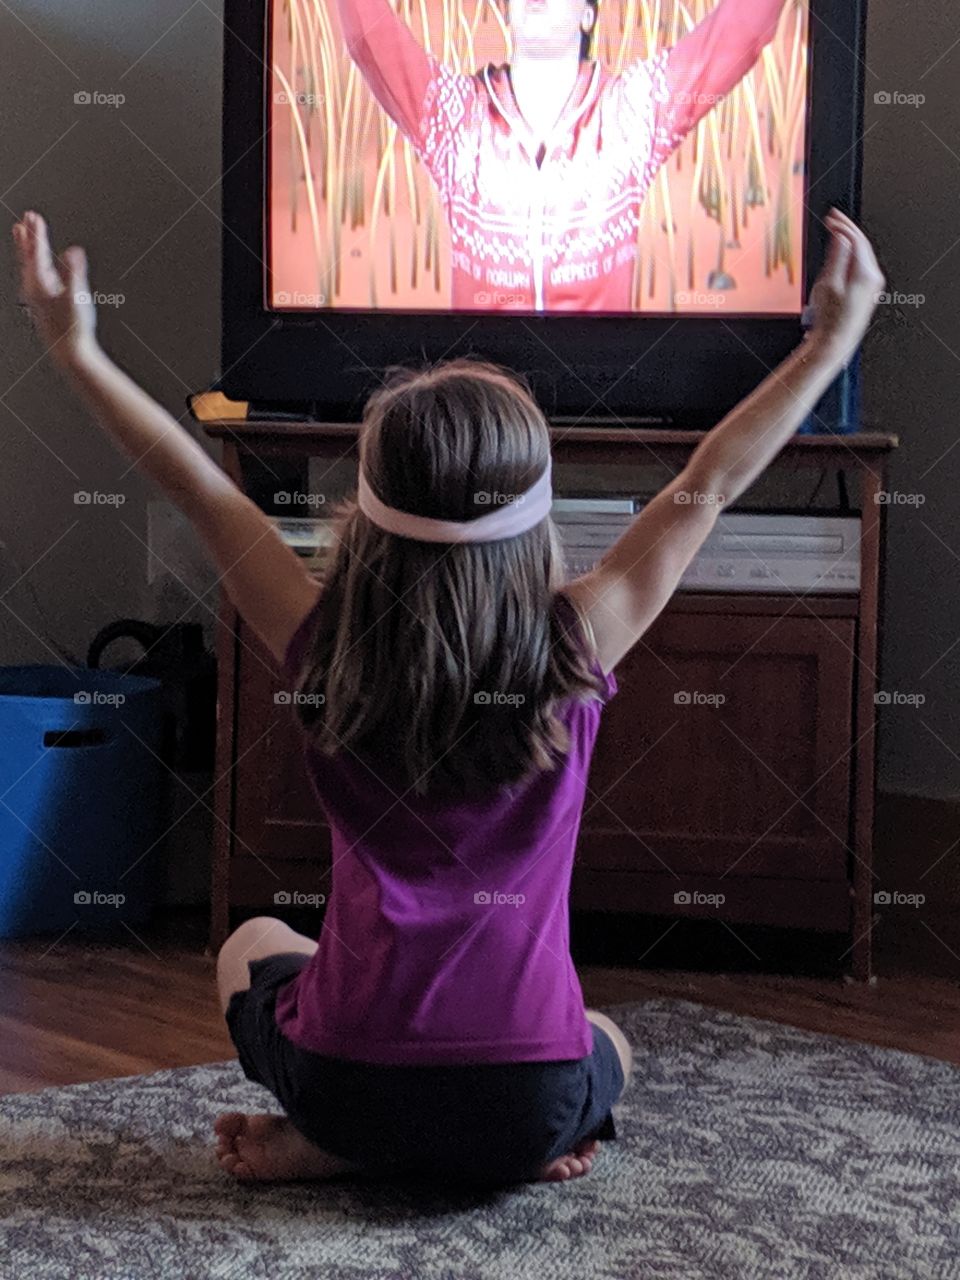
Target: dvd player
745 552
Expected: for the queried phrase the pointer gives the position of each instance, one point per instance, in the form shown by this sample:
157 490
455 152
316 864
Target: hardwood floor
83 1011
74 1010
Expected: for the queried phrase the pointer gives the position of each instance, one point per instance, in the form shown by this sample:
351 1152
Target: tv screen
480 156
621 199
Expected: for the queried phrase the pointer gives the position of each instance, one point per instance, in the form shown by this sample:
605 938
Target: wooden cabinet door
276 812
727 751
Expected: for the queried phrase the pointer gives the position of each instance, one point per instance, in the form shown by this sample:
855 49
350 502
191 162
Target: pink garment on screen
559 235
418 961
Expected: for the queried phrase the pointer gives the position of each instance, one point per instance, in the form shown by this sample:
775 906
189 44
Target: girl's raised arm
262 576
634 581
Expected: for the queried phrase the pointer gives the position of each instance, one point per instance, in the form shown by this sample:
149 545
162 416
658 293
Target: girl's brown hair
443 664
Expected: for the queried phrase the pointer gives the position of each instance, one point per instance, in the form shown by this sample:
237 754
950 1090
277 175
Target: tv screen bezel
681 369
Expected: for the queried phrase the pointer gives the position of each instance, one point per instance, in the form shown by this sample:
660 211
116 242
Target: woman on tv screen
542 164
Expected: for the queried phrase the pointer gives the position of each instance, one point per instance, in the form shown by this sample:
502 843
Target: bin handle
74 738
145 633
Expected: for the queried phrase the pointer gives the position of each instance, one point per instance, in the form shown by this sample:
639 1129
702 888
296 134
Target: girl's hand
847 290
56 291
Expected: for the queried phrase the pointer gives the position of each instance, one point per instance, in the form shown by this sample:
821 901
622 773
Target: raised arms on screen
712 60
397 70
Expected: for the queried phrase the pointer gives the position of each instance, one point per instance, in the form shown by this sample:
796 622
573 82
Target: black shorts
489 1123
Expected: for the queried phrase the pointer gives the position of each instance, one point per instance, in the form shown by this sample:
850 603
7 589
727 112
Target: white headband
507 520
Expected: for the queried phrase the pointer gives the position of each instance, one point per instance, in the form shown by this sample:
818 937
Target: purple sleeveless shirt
446 933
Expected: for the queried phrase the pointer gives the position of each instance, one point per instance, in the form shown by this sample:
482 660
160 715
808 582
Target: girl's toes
229 1124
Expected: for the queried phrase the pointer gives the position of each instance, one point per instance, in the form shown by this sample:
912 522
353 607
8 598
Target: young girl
455 683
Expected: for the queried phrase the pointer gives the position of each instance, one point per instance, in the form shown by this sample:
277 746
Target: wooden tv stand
768 803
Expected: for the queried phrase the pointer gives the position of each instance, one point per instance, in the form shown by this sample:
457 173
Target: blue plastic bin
82 798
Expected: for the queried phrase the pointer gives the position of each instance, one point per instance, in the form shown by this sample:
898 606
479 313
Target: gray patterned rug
748 1151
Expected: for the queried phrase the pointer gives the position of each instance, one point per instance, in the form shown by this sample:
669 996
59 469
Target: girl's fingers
865 254
867 263
862 263
73 270
837 264
26 255
47 275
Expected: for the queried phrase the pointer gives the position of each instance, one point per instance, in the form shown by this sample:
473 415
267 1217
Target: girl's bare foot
267 1148
270 1149
574 1164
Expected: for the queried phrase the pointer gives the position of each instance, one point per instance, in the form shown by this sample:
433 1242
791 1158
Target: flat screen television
404 181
